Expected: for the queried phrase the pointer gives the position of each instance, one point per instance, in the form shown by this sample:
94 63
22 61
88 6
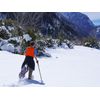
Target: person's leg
31 67
24 63
30 73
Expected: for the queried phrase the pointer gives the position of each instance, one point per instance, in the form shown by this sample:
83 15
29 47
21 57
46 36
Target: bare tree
25 19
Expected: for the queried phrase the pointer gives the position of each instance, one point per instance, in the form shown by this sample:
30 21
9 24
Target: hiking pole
40 73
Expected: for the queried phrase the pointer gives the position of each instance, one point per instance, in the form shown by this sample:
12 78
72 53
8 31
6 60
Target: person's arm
35 55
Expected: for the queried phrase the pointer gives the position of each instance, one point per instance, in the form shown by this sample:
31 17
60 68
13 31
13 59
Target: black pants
29 62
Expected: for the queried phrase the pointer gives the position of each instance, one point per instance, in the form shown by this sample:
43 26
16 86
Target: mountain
97 29
82 22
96 22
55 23
73 24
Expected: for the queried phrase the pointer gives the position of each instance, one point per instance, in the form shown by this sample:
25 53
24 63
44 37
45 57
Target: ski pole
40 73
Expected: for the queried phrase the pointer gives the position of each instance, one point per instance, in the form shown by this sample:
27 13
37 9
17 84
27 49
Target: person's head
32 43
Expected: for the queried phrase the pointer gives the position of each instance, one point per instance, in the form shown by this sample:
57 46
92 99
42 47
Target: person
29 59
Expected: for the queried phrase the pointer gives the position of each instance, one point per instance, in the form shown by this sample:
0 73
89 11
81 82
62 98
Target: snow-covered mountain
74 27
67 67
83 23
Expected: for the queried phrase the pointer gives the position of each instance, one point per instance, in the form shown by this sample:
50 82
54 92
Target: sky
93 15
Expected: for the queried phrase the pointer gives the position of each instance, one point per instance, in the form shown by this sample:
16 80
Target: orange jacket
30 51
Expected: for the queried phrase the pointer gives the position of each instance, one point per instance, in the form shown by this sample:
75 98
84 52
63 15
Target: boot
30 74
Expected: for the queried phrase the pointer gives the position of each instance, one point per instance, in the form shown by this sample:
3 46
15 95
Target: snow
67 67
15 38
4 28
27 37
2 42
18 38
10 28
8 47
64 46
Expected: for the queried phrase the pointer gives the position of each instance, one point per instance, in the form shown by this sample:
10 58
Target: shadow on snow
27 82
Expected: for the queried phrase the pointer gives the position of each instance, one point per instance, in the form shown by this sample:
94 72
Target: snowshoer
29 61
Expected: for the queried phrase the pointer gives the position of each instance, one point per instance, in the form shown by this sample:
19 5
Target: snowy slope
67 67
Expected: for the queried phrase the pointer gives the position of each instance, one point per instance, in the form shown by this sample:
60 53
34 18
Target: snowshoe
24 70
